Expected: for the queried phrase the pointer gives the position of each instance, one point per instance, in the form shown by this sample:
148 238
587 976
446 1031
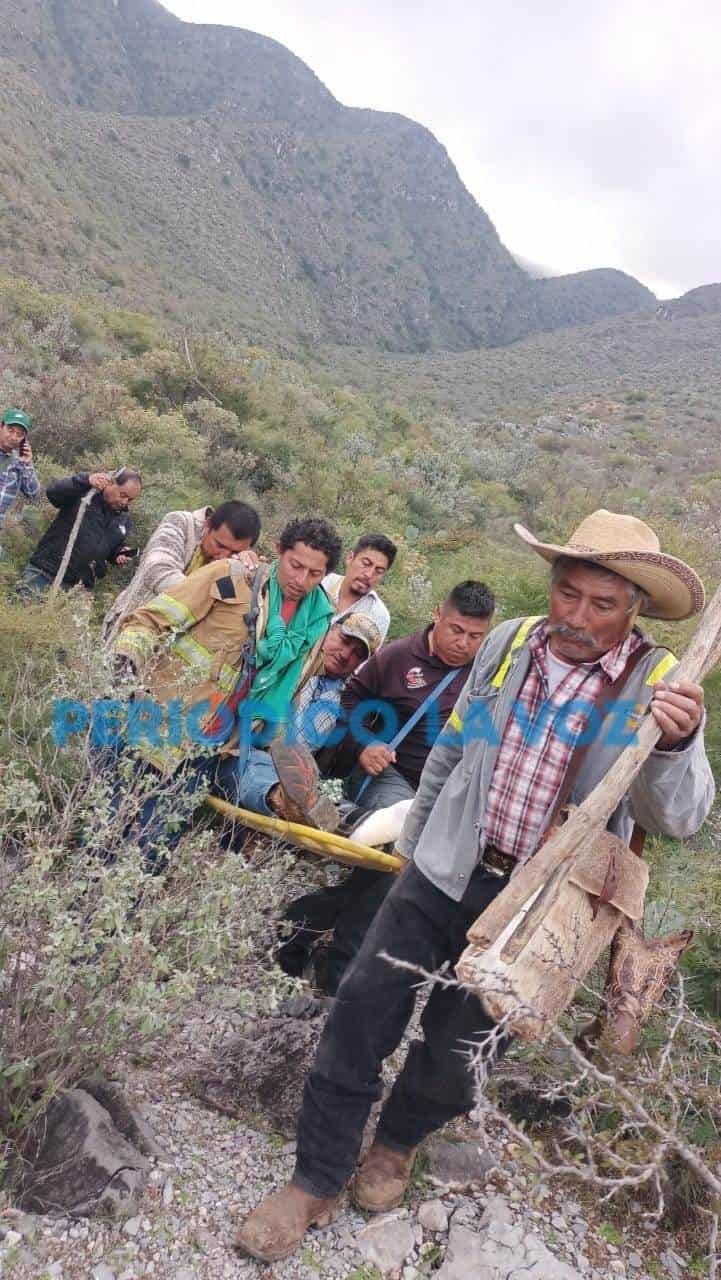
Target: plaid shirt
15 477
317 710
538 743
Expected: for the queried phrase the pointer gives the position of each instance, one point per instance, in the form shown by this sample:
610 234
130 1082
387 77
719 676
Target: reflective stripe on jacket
202 622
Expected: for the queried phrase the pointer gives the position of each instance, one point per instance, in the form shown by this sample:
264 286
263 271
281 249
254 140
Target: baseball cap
363 628
16 418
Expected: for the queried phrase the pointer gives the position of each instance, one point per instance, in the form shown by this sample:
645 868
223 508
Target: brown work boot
278 1224
381 1181
299 779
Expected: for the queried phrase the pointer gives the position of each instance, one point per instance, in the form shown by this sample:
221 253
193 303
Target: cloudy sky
589 132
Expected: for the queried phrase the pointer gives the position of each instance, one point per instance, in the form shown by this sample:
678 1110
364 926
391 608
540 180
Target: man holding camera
17 473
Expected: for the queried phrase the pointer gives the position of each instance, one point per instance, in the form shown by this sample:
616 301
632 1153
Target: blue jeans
34 582
166 810
386 789
253 779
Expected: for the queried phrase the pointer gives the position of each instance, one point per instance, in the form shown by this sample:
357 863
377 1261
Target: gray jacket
444 832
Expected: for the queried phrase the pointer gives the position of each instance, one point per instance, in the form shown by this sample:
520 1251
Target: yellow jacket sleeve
170 613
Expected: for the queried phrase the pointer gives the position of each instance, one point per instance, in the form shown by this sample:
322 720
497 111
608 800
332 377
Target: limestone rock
387 1243
433 1216
496 1209
78 1162
501 1252
456 1164
126 1119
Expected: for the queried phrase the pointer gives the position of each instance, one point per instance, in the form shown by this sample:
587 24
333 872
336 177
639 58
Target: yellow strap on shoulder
517 641
455 722
662 668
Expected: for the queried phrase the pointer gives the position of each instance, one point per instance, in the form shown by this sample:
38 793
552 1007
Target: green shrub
136 333
98 958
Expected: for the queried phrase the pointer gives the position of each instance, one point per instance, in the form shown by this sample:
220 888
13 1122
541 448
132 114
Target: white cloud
589 133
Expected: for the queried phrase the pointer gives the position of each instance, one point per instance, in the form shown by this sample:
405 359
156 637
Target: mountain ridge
286 211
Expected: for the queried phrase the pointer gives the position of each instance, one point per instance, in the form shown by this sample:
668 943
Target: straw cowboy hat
628 547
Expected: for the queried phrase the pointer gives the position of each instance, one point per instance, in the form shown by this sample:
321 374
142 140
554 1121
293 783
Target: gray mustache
580 637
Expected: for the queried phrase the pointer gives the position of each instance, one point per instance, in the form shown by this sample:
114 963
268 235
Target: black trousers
348 909
423 926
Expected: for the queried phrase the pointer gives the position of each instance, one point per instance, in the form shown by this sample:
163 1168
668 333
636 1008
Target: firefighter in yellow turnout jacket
193 647
189 645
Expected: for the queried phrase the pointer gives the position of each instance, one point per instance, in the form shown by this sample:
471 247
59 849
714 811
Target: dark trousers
348 909
163 806
419 924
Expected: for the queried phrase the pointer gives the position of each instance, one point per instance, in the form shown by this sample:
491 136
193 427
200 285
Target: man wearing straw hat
549 706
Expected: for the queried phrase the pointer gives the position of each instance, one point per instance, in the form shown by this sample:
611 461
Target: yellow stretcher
323 843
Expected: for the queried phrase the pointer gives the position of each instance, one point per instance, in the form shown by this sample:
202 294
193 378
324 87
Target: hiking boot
272 1231
299 779
382 1179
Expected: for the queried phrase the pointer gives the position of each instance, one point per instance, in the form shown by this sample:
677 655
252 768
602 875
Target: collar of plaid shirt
533 756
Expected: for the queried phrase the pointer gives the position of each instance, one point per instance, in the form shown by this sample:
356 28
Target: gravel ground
216 1168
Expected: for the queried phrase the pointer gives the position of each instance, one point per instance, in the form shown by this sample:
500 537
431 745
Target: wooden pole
82 508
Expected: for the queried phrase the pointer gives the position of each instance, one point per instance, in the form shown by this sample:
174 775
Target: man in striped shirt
355 590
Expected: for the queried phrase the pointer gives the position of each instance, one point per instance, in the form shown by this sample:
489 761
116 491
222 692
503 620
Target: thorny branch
652 1095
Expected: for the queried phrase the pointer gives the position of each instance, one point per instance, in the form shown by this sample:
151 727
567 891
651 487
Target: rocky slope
209 170
474 1207
703 301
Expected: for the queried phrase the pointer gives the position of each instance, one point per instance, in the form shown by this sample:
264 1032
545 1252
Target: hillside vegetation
206 419
209 419
205 171
213 271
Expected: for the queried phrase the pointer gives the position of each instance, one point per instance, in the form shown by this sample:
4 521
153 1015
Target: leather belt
497 862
